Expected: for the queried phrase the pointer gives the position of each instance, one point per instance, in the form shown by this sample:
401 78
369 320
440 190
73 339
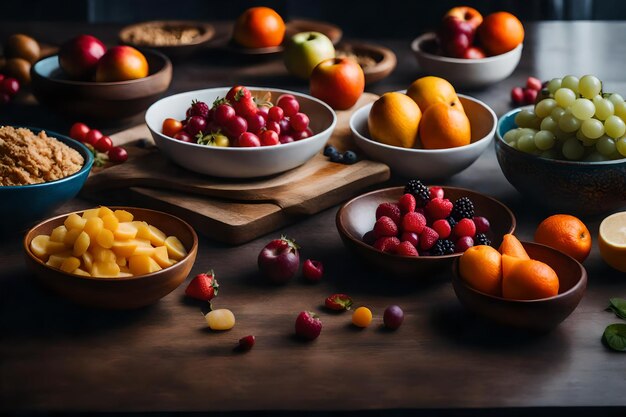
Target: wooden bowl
535 315
357 216
117 293
206 33
382 60
100 101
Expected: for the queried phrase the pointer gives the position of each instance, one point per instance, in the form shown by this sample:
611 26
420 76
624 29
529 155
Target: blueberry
329 150
349 157
336 157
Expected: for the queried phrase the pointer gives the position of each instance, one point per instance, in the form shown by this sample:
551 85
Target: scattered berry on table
349 157
203 286
463 208
328 149
336 157
482 239
312 270
406 248
393 317
362 317
419 191
428 238
338 302
391 210
443 247
308 325
246 343
117 154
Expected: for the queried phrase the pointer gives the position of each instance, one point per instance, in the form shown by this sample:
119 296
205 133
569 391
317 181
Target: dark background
358 18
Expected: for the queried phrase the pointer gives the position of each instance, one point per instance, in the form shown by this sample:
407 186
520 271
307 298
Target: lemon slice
612 240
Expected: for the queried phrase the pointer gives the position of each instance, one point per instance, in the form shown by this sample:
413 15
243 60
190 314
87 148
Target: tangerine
500 32
566 233
513 247
394 120
481 267
529 280
429 90
259 27
445 126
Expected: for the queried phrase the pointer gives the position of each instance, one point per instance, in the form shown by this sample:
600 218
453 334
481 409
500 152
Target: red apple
121 63
456 36
474 52
79 56
467 14
338 81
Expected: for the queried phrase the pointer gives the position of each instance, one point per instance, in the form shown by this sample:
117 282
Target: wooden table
55 356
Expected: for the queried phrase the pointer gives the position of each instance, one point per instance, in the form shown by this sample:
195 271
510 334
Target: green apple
305 50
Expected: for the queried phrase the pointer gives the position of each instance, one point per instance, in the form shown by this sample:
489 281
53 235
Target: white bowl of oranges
430 132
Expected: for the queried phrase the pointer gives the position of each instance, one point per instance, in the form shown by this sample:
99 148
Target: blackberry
443 247
463 209
482 239
419 191
451 222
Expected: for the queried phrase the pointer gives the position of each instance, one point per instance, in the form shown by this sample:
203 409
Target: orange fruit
612 240
427 91
513 247
529 280
565 233
508 262
444 126
259 27
394 120
481 267
500 32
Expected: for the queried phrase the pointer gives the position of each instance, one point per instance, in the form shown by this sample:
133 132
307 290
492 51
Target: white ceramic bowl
465 73
239 162
429 164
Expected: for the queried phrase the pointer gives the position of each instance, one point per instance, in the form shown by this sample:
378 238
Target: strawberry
203 287
198 108
385 226
428 238
410 237
237 93
406 249
436 192
407 203
245 107
246 343
413 222
465 227
387 244
442 227
338 302
308 325
439 208
390 210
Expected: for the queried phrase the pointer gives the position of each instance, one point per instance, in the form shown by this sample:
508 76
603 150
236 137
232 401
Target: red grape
9 86
533 83
195 124
299 122
248 139
117 154
256 122
530 95
289 104
103 144
269 138
93 136
78 131
303 134
284 126
393 317
285 138
236 126
272 125
183 136
223 114
264 110
275 114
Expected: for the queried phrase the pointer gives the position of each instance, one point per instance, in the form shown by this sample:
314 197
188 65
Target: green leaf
618 306
615 336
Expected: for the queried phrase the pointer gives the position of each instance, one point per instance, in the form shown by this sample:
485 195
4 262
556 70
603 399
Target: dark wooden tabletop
55 356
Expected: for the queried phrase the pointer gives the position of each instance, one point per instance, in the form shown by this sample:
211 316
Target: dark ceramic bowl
117 293
357 216
100 101
581 188
23 205
535 315
384 60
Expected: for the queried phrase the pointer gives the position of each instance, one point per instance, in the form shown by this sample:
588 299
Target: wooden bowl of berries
415 230
240 132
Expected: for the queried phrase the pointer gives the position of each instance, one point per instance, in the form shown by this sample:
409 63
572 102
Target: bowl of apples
469 51
240 132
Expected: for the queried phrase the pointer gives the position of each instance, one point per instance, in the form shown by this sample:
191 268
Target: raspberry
410 237
428 238
390 210
482 224
369 237
413 222
464 244
407 203
406 249
482 239
387 244
442 227
465 227
438 208
198 108
436 192
443 247
463 208
419 191
384 226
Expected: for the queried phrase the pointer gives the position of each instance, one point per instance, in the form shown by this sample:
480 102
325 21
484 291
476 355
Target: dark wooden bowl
173 51
357 216
100 101
384 58
117 293
535 315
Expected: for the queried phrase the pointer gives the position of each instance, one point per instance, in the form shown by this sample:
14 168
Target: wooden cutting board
236 211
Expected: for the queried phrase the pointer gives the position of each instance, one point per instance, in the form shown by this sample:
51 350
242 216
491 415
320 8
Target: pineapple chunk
125 231
70 264
124 249
121 261
57 260
58 234
54 247
102 255
105 269
87 260
81 272
91 213
71 236
105 238
144 250
82 243
161 257
142 264
74 221
110 222
151 233
93 226
104 211
123 215
175 248
38 246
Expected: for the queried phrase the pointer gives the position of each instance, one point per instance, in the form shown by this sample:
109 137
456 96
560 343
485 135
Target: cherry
517 96
299 122
9 86
236 126
248 140
286 138
272 125
79 131
195 125
275 114
312 270
256 122
223 114
103 144
303 134
269 138
93 136
183 136
117 154
289 104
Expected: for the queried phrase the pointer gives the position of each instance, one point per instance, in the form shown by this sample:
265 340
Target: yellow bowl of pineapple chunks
115 258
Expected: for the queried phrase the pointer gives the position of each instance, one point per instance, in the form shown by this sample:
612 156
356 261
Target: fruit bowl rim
415 47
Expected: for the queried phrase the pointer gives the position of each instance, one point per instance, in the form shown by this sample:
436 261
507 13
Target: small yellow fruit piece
105 269
71 236
157 237
105 211
74 221
101 254
54 247
221 319
70 264
82 244
124 249
58 234
142 264
144 250
81 272
105 238
125 231
161 257
91 213
110 222
121 261
362 317
175 248
93 226
87 260
55 261
123 215
38 246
